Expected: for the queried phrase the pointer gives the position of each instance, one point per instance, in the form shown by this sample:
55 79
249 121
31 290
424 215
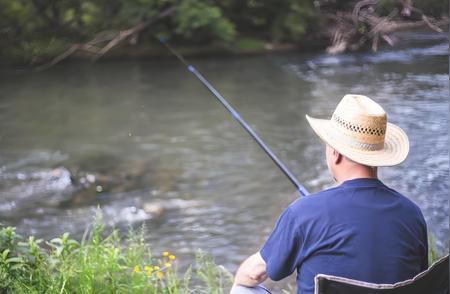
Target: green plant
433 255
216 278
100 263
197 19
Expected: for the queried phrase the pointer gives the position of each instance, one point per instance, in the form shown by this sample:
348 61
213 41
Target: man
360 229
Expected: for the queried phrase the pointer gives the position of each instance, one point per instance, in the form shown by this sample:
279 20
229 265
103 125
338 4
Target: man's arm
251 272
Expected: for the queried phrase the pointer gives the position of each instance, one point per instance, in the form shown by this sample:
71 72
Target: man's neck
360 172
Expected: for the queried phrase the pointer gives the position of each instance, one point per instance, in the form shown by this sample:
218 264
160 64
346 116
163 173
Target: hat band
337 136
379 130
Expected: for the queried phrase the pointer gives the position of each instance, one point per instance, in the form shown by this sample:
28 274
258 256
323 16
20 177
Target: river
145 141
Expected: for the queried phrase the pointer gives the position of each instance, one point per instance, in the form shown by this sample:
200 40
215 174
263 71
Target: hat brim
396 145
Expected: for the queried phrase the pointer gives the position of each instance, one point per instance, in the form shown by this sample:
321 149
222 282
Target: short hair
354 162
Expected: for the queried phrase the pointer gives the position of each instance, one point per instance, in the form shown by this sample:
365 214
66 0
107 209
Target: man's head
358 137
343 168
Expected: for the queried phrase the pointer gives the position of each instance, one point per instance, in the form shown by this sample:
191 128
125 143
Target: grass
100 265
249 45
433 254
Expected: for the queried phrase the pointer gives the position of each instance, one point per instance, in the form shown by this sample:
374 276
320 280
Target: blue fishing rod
301 190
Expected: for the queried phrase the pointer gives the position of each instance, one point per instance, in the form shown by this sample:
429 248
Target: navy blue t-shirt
360 230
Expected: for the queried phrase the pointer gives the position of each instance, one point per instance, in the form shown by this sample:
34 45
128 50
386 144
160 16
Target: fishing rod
301 190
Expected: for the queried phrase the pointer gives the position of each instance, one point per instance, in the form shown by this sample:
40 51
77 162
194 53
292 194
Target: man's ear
337 156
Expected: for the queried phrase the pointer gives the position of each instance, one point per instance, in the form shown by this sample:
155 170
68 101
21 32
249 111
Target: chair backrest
435 280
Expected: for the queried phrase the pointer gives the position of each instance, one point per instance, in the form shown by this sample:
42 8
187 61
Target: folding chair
435 280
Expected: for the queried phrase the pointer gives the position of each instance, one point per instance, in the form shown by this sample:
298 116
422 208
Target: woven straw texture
359 130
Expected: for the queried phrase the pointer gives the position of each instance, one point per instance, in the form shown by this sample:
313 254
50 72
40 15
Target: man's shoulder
407 202
329 198
316 200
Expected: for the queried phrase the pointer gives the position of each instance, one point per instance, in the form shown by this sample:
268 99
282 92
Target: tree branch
354 29
114 38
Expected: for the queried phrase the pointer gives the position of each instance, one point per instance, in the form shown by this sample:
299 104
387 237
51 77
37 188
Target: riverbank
100 263
43 52
35 32
105 263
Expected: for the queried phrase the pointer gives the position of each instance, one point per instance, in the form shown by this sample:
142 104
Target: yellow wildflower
149 273
156 267
165 253
148 268
167 264
159 275
136 269
171 257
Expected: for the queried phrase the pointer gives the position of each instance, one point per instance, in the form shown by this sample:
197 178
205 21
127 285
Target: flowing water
146 142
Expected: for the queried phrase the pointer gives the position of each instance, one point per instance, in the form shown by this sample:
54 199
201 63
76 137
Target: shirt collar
362 182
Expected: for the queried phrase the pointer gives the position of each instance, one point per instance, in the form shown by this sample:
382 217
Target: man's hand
251 272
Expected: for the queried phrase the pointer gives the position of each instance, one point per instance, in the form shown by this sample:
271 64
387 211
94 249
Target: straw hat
359 130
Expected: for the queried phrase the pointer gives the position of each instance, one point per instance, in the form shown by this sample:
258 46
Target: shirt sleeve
280 251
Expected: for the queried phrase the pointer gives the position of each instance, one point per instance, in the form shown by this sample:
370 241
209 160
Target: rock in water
155 209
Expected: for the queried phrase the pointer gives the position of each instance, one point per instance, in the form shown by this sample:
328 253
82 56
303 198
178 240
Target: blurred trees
274 20
37 29
43 27
371 22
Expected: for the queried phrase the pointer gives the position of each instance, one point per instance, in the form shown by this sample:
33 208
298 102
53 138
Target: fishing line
301 190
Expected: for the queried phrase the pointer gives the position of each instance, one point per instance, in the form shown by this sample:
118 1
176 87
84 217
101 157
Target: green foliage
35 50
294 20
277 20
99 264
40 29
198 20
216 278
433 255
249 44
